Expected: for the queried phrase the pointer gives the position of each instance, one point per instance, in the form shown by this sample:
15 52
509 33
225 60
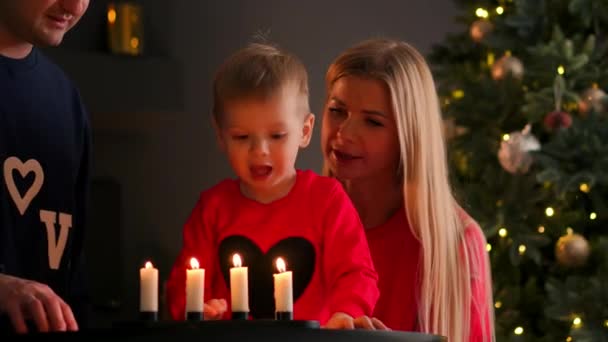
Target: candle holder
148 316
194 316
240 316
283 316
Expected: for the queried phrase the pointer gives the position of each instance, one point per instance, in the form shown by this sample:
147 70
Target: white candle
195 287
238 286
148 288
283 289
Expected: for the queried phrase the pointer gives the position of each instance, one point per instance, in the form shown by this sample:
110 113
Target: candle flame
149 265
281 265
194 263
236 260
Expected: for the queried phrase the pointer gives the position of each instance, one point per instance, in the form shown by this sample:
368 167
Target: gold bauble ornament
480 29
507 65
592 99
572 250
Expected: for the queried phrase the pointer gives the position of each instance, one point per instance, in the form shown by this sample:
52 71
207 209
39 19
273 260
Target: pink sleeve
198 242
347 262
481 285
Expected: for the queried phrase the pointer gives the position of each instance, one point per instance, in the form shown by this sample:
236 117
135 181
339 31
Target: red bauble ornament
557 120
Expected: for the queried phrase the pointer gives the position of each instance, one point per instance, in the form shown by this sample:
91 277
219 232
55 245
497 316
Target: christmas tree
523 93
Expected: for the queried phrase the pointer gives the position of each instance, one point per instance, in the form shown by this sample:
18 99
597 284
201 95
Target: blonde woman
382 139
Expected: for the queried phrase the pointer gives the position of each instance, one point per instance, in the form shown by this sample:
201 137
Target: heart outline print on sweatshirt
32 165
55 246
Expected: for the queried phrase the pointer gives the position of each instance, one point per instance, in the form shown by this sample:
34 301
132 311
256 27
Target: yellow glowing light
569 231
498 304
134 42
236 260
500 10
541 229
549 211
281 265
111 16
481 13
569 339
522 249
490 58
488 247
592 216
606 323
502 232
577 322
518 331
506 137
584 187
458 94
561 70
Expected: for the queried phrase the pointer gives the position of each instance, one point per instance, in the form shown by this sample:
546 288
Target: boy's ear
218 134
307 128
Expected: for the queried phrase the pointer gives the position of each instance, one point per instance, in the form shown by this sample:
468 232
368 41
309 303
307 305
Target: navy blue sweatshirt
44 171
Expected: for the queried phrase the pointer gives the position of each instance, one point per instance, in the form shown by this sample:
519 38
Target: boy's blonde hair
258 71
449 265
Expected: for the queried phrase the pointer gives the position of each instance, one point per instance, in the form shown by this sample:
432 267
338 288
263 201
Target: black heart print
298 253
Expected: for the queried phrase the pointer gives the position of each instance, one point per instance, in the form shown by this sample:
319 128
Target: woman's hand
340 320
369 323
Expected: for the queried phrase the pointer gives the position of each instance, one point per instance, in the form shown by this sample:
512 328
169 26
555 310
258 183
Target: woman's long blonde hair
448 263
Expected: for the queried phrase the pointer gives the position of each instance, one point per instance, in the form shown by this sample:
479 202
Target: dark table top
226 331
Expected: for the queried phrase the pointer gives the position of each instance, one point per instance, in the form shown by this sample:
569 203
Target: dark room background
154 149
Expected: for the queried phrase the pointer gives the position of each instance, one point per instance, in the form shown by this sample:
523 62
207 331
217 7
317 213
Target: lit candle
148 292
195 291
283 292
239 289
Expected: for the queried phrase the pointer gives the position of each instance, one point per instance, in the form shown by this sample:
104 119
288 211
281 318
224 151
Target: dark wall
162 160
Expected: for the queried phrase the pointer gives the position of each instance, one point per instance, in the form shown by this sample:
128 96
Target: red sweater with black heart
315 228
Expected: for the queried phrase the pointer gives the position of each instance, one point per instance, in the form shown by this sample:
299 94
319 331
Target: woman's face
359 133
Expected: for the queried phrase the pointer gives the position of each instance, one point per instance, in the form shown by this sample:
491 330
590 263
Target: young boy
262 118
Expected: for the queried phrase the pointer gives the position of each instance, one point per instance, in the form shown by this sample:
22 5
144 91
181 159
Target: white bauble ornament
514 154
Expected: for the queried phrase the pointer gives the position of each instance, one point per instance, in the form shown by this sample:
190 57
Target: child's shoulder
315 182
227 187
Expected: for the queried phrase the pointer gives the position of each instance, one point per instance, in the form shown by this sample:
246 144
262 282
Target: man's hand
215 309
24 299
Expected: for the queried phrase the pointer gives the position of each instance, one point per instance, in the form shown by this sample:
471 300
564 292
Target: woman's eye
336 111
278 136
240 137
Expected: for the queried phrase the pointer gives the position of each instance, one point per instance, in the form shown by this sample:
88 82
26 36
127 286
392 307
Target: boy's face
261 138
40 22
